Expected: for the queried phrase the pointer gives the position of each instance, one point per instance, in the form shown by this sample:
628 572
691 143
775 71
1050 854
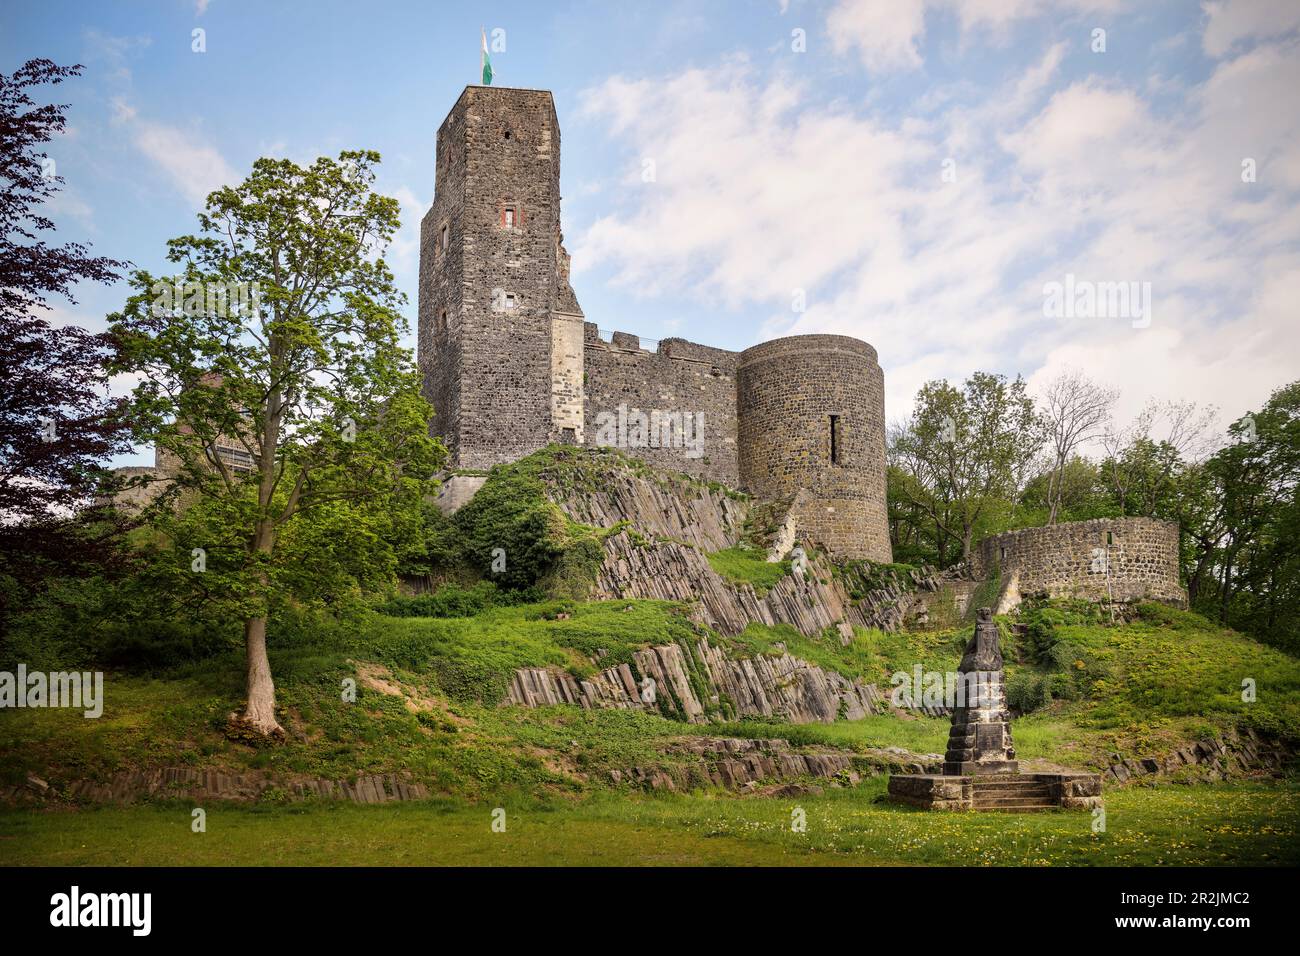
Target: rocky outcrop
743 764
658 506
1225 755
782 687
735 764
666 570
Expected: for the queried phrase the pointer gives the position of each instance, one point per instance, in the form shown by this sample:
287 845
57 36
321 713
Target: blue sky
913 172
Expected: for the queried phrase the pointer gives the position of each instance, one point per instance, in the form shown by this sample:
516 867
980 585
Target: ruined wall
812 418
681 377
1125 559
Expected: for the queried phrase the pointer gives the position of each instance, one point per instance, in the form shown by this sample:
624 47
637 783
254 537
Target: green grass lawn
1220 825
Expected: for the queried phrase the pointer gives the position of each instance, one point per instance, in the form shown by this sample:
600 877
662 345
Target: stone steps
1011 794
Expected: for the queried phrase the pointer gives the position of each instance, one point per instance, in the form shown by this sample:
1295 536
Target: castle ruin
510 363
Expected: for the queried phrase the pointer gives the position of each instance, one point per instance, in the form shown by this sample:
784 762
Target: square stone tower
500 330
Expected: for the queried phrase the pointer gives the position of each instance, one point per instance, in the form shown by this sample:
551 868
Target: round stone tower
812 427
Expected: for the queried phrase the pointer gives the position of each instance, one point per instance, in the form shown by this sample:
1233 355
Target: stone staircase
1013 793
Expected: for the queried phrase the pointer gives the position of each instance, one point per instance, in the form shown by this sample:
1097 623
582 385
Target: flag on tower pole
486 61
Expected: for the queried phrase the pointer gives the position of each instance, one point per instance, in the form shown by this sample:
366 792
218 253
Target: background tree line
986 457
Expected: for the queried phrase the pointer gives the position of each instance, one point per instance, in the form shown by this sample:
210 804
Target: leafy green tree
1257 559
273 379
1078 491
967 452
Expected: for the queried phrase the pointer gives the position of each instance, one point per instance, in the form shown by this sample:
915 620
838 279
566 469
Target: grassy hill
428 691
427 706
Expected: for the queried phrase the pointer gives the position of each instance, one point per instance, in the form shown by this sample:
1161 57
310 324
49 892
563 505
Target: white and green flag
487 61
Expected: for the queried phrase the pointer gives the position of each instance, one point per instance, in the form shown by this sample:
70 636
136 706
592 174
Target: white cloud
884 35
194 166
1230 22
887 35
759 191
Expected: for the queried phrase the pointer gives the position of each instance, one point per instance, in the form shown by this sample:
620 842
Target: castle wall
812 418
680 378
440 323
1126 559
567 372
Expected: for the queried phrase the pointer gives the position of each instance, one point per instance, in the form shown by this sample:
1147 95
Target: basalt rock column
980 739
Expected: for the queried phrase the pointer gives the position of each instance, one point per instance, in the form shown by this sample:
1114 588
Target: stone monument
980 738
980 769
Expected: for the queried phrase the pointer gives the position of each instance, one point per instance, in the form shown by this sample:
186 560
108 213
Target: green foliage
272 378
435 548
1027 691
958 463
861 577
541 546
452 600
512 512
747 565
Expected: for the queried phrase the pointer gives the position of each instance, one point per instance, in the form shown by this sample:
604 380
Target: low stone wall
1109 559
187 783
744 764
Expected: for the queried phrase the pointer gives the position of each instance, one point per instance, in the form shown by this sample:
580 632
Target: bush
511 512
1027 691
452 600
162 644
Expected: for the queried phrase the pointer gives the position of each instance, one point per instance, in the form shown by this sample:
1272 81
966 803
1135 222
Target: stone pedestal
980 739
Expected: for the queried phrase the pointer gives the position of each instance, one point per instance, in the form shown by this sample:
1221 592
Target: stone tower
510 365
500 330
811 412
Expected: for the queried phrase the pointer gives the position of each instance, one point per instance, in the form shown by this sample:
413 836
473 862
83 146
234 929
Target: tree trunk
260 712
1053 495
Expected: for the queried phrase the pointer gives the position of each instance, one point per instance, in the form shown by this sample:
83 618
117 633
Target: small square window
510 300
